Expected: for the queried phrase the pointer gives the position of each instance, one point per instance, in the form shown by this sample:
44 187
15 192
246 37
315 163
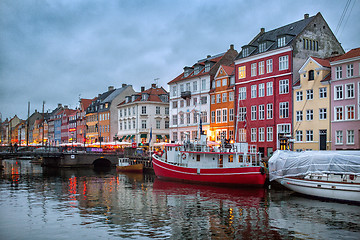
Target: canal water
37 203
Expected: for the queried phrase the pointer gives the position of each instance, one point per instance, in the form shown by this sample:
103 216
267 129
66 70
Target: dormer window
262 47
187 71
106 105
245 52
311 75
133 98
196 70
144 97
207 67
281 41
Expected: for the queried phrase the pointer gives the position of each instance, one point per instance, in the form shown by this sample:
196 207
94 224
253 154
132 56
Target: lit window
350 112
242 73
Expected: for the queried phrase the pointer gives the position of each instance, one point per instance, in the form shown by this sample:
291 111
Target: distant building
345 101
311 100
266 69
144 116
190 98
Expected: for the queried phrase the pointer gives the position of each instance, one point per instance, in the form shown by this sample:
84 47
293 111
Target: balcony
186 94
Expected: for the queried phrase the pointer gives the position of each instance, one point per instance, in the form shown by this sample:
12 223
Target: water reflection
106 204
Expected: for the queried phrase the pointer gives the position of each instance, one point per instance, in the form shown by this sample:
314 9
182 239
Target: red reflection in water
72 190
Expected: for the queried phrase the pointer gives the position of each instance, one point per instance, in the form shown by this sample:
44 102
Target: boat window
241 158
198 158
231 158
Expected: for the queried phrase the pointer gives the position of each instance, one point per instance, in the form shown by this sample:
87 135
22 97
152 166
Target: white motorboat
324 174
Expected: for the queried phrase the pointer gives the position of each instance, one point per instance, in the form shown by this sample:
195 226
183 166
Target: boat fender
262 170
183 155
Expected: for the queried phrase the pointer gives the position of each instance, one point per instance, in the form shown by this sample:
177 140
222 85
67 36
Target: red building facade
263 98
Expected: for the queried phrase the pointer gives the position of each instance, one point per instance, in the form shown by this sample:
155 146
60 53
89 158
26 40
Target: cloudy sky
59 50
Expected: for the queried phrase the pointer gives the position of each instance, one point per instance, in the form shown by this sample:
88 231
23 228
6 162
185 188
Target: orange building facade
222 119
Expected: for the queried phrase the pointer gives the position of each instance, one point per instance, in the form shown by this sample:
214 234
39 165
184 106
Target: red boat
197 162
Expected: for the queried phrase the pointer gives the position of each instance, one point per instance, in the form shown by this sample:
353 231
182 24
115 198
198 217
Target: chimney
262 30
231 46
66 106
142 88
110 88
306 16
153 85
59 105
124 85
208 56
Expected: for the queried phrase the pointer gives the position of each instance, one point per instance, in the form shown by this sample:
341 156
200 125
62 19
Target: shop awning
132 136
158 137
167 136
144 135
121 138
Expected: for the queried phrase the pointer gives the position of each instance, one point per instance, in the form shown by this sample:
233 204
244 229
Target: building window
242 114
204 117
269 65
253 112
231 96
242 93
203 100
253 91
188 118
309 94
175 104
195 118
261 67
269 111
231 114
242 135
174 88
143 109
261 112
349 70
261 89
245 52
212 99
299 136
350 112
338 72
299 116
284 86
349 90
224 97
175 120
350 137
283 63
218 116
309 135
261 134
253 135
224 82
157 124
212 116
195 86
181 115
269 134
339 137
338 113
269 88
253 69
323 92
338 92
203 84
299 96
242 73
188 100
218 83
143 124
166 124
322 113
224 115
281 42
284 110
262 47
218 98
134 124
157 110
309 115
311 75
166 110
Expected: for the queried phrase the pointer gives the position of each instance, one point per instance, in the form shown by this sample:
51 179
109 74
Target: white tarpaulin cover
292 164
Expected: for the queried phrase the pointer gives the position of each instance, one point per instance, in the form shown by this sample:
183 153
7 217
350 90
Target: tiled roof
350 54
292 29
327 77
322 62
215 59
230 70
154 95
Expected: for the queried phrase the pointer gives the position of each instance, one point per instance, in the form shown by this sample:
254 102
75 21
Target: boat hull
252 176
322 189
137 168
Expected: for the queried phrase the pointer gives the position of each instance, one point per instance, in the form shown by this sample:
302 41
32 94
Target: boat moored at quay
229 164
324 174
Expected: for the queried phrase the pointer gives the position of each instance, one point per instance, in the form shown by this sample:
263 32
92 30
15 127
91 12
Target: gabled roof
230 70
292 30
350 54
322 62
154 94
86 103
213 59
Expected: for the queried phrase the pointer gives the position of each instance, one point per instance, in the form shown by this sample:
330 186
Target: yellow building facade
311 112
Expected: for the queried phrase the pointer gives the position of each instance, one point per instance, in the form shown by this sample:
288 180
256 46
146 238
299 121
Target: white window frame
284 86
231 96
269 66
309 115
309 94
213 116
349 91
269 111
309 135
261 89
253 69
299 116
269 89
253 112
350 70
269 134
339 138
338 72
322 113
299 136
253 91
283 110
261 134
242 93
253 134
261 112
224 115
242 114
350 137
224 97
299 96
261 67
283 62
323 92
231 114
338 110
347 111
